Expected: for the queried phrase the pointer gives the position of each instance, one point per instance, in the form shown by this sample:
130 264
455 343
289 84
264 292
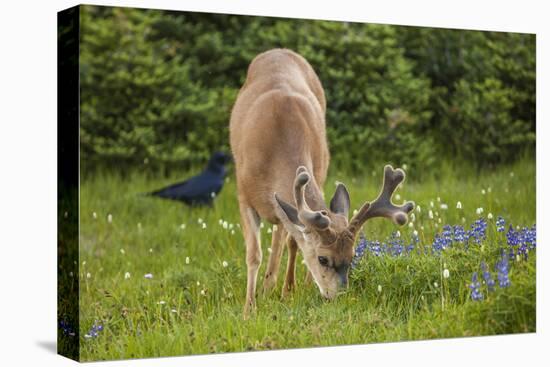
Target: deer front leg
277 245
251 230
290 280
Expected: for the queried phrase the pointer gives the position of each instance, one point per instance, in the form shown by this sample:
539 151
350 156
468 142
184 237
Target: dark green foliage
158 87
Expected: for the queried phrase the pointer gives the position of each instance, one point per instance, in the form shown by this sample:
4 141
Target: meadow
162 279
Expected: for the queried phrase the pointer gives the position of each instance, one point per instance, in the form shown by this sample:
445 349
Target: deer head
325 237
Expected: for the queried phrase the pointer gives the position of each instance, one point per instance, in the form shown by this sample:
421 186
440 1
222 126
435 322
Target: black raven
200 189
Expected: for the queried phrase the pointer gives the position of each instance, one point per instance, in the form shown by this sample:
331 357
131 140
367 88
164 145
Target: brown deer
278 139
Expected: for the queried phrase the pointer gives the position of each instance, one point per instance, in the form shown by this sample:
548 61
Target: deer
278 140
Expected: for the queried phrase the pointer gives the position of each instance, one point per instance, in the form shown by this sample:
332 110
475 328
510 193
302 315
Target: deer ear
340 201
287 213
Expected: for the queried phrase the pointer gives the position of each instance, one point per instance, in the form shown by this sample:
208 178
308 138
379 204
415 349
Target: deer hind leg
277 246
251 230
290 279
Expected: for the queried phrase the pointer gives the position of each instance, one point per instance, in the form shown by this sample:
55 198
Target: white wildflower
490 216
203 292
431 203
431 214
161 302
94 214
397 234
220 221
200 220
203 225
418 209
379 288
411 225
415 233
122 251
479 211
262 225
269 249
413 217
151 250
225 264
232 231
212 195
174 310
225 225
148 276
397 197
198 283
269 230
404 166
182 226
88 275
436 285
458 205
231 226
187 260
354 211
444 207
439 220
110 218
463 220
438 199
446 273
482 191
127 275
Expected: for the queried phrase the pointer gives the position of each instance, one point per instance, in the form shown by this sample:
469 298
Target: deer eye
323 260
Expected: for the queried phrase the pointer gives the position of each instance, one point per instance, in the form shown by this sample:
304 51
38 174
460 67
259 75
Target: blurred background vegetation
157 88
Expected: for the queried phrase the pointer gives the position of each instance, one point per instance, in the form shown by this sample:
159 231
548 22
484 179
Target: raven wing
196 190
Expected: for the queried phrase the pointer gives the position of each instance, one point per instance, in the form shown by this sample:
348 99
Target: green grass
196 307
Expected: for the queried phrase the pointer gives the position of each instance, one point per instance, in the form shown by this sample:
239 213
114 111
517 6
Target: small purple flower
476 294
66 328
487 277
94 331
459 234
500 224
359 250
502 272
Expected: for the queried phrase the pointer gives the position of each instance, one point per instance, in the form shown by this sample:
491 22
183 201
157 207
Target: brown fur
278 139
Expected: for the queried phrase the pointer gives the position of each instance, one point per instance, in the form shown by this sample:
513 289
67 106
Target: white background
28 181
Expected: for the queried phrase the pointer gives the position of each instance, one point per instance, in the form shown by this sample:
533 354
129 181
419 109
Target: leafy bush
158 87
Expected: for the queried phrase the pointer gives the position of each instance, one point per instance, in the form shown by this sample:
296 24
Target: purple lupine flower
459 234
500 224
359 250
530 237
502 272
395 245
414 241
478 230
94 331
512 237
375 248
487 277
476 294
66 328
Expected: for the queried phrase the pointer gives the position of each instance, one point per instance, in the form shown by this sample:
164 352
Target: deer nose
342 271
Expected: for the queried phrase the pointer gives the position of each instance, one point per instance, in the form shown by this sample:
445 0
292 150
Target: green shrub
158 87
